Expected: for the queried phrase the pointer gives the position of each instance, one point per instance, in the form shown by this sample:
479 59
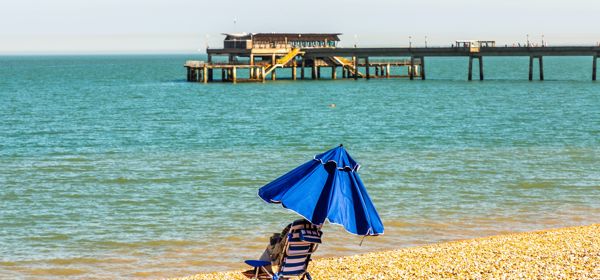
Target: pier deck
458 51
257 72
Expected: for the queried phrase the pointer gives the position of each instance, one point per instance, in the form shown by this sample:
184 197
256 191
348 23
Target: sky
189 26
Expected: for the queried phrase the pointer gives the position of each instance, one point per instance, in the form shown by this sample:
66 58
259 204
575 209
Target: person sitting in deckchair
275 251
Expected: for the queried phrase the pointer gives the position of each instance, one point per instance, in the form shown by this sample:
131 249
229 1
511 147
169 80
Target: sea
115 167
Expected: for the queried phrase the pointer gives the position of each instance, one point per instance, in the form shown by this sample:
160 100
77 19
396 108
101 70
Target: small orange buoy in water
332 105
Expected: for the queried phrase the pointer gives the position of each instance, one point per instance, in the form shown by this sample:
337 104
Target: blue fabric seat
255 263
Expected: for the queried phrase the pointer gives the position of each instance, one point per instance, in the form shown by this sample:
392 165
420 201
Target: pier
258 57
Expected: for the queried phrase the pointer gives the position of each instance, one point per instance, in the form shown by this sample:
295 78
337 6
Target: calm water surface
114 167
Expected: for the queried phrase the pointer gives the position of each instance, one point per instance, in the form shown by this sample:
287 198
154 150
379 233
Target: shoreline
562 253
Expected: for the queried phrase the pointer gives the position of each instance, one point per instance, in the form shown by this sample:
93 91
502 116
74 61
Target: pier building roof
283 36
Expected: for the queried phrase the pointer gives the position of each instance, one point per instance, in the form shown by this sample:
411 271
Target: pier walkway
531 52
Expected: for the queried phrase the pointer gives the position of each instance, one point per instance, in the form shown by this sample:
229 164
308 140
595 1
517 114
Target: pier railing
194 63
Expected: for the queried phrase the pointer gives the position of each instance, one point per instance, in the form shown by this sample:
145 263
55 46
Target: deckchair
302 241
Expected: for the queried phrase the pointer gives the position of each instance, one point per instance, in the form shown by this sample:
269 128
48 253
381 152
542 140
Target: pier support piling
210 71
387 71
422 68
411 68
480 58
541 67
333 73
479 61
234 75
541 64
367 72
355 61
531 68
252 68
318 72
204 76
294 72
594 64
313 73
302 69
470 76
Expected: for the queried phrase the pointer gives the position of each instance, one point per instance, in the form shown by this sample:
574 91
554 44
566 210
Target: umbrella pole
363 239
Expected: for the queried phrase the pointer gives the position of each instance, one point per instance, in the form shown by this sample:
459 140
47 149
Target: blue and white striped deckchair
302 240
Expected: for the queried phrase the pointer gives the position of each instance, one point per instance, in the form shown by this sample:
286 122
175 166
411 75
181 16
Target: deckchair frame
277 275
312 248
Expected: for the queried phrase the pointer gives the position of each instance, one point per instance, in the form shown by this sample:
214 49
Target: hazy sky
91 26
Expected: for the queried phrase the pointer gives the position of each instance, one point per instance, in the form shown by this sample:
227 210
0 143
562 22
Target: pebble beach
565 253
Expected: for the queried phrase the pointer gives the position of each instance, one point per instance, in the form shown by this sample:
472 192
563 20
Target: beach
565 253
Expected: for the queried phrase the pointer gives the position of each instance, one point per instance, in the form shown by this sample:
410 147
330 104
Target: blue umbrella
327 187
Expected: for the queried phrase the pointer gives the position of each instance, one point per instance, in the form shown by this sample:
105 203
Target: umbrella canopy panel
327 187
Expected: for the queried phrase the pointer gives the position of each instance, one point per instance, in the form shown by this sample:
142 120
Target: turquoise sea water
115 167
